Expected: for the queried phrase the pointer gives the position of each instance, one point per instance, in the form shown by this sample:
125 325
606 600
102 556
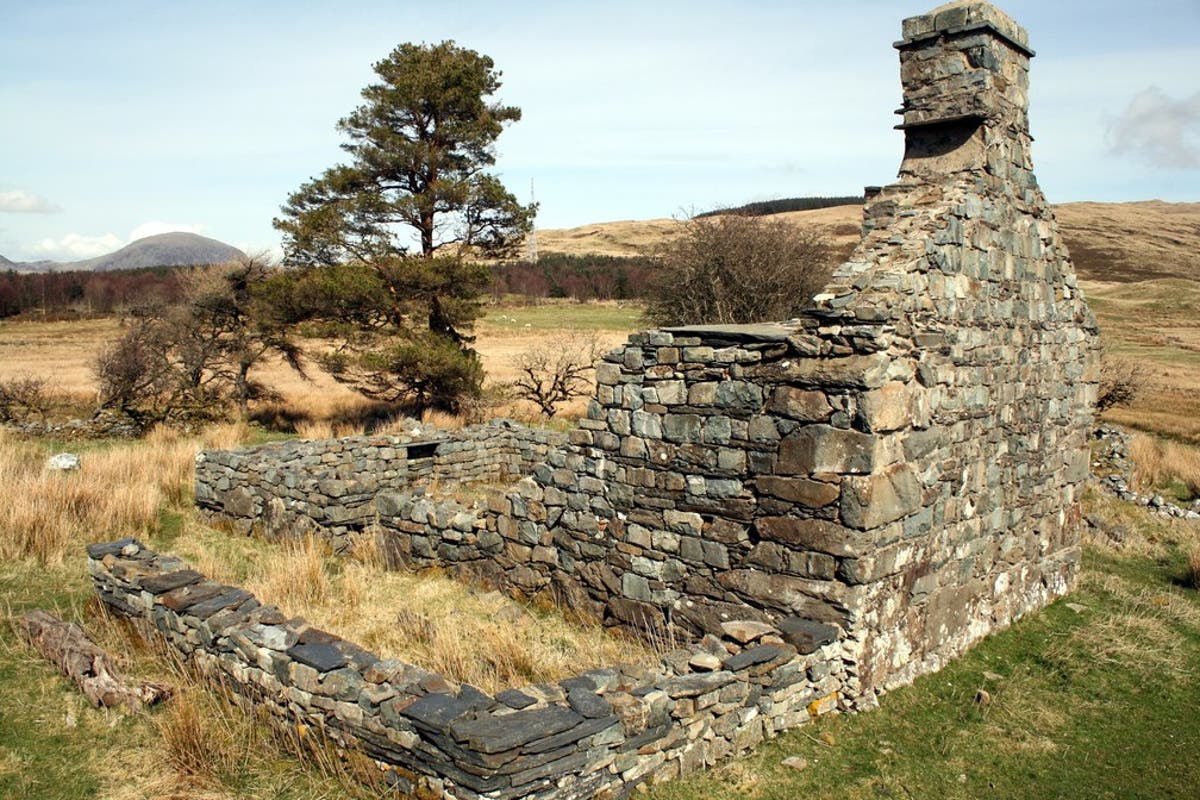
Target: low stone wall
1114 473
599 733
327 487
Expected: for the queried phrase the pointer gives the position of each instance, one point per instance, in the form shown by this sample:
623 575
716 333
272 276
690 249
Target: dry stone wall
596 734
328 487
878 483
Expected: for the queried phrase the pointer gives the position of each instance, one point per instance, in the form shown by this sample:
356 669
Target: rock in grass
795 762
63 462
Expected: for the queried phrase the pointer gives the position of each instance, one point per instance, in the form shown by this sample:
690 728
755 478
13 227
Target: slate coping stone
760 332
572 735
588 703
181 599
515 698
318 636
206 608
321 656
436 711
753 655
807 635
159 584
697 683
102 549
474 697
495 734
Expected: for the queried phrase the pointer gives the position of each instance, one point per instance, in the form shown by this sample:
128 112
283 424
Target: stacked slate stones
893 476
601 732
328 487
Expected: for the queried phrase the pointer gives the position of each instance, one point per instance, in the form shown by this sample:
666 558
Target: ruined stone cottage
822 508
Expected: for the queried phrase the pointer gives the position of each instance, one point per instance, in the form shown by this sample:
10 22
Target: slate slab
436 711
588 703
514 698
180 600
807 635
206 608
102 549
159 584
494 734
321 656
753 655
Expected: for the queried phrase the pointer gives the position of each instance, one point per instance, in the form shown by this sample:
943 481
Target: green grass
560 315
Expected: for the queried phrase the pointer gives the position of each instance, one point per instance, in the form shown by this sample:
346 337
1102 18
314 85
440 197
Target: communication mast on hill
532 240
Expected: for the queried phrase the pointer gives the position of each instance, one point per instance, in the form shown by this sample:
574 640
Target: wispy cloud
1159 129
78 246
18 202
74 247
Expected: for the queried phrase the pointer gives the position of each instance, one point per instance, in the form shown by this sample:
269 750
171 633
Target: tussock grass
1192 576
119 490
1163 464
294 575
478 637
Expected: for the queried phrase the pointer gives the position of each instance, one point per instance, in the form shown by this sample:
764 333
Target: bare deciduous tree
556 371
735 269
1121 381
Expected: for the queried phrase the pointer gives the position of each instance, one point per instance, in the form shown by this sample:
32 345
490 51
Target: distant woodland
86 293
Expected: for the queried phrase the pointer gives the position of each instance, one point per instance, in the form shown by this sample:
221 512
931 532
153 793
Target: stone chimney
964 68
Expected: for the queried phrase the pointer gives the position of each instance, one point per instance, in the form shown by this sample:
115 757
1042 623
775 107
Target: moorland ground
1094 697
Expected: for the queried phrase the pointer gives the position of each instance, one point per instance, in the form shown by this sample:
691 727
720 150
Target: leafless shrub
23 398
1121 381
736 269
556 371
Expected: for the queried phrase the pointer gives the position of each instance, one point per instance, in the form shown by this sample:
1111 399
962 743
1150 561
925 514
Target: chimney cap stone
963 16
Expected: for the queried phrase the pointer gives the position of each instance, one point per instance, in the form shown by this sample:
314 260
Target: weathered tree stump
80 659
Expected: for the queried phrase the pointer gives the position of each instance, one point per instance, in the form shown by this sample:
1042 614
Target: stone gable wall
899 468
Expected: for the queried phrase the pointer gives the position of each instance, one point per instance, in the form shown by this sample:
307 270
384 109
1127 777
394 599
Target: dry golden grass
1141 534
118 491
1192 576
471 636
1157 463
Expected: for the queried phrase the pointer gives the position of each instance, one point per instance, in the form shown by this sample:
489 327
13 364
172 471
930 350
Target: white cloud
1159 129
19 202
155 228
75 247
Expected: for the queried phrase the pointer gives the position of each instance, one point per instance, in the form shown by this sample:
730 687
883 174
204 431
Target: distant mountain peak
176 249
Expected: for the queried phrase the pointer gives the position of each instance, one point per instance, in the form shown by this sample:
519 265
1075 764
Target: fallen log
80 659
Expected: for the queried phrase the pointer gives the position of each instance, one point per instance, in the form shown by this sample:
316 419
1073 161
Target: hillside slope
1108 241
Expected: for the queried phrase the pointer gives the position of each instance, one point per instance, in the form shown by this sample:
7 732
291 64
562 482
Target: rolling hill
1108 241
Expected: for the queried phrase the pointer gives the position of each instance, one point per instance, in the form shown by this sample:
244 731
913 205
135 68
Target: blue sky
122 119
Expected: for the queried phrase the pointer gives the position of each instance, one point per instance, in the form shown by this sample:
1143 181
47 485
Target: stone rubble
1114 471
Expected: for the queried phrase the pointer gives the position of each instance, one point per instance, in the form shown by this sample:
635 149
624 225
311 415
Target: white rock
63 461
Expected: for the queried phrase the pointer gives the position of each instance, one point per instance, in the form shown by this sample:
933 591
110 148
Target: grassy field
1093 698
